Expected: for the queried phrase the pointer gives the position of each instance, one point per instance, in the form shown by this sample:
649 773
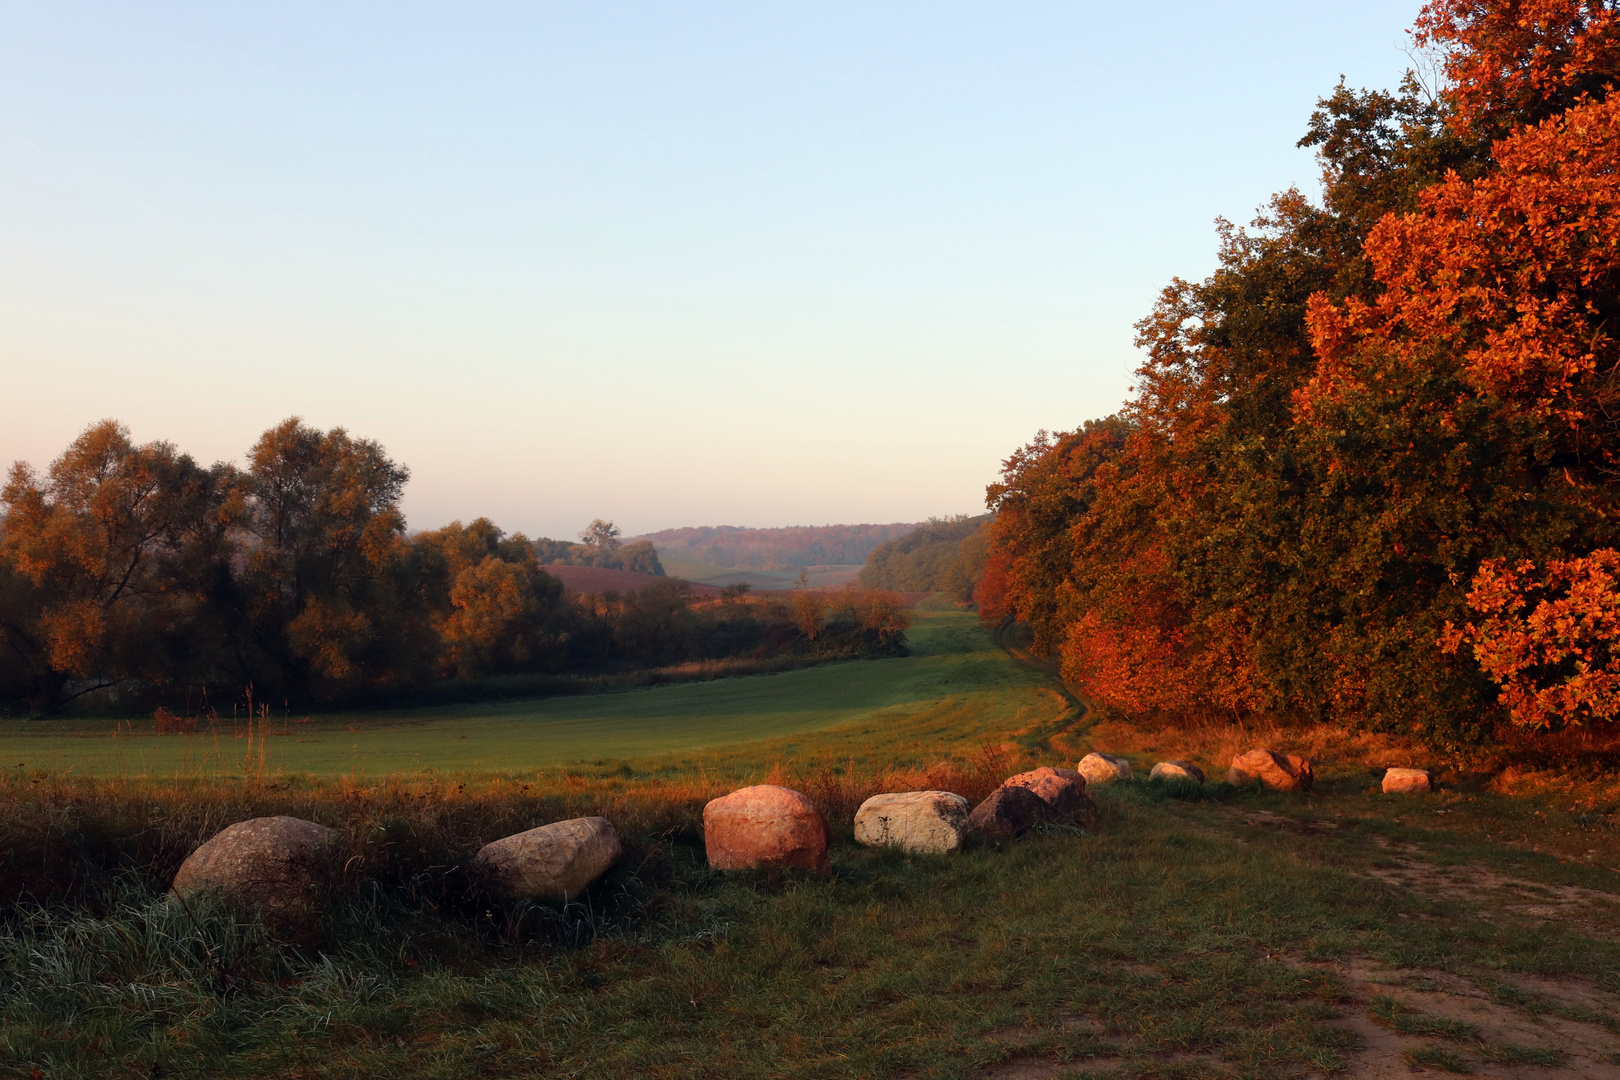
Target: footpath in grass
1222 933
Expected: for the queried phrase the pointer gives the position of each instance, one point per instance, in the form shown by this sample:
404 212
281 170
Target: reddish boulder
1009 813
765 826
1284 772
1064 790
1407 781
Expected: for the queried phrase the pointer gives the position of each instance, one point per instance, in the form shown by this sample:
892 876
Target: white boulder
926 821
1103 768
1177 772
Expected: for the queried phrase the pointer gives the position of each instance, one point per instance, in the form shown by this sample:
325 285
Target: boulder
1177 772
1284 772
765 826
1009 813
1407 781
930 821
1064 790
554 862
269 863
1104 768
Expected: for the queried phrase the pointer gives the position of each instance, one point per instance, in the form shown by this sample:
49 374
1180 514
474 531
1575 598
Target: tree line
600 545
786 548
1368 474
944 555
133 570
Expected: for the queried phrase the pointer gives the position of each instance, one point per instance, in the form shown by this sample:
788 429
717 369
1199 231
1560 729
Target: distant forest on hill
787 548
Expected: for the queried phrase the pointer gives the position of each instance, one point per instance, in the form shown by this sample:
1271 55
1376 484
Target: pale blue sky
672 264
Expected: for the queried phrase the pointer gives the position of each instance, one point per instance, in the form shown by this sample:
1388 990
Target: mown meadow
1218 932
661 728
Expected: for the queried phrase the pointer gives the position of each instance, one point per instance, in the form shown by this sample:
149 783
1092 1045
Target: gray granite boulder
272 864
1284 772
554 862
1064 790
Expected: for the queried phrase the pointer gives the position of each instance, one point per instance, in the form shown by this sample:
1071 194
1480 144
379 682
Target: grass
1182 937
1165 939
1438 1057
952 666
1391 1013
1509 1054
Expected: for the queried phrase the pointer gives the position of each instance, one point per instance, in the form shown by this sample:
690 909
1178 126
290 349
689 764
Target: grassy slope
953 667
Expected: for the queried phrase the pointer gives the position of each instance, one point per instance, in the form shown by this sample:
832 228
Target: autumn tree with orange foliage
1495 328
133 573
500 611
1370 401
109 555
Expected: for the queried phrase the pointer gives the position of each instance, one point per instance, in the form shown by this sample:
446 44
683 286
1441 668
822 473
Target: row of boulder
1282 772
271 862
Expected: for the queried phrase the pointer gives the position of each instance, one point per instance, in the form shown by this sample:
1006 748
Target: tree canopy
1367 473
132 572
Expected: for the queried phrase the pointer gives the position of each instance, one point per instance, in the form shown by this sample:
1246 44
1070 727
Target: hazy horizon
668 266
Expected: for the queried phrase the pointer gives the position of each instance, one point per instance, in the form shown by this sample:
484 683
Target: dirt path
1407 1021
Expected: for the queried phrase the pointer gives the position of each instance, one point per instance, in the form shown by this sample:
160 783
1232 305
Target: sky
668 264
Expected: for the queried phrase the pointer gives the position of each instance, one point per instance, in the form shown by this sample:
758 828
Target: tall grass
63 838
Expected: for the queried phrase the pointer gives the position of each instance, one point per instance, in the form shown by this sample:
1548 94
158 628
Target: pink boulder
1407 781
1064 790
765 826
1284 772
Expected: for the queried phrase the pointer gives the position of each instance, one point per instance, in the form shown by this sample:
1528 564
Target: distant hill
791 549
595 579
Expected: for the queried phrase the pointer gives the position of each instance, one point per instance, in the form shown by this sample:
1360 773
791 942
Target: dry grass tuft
1214 742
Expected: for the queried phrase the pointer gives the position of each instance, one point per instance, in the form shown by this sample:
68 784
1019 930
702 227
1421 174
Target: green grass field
856 707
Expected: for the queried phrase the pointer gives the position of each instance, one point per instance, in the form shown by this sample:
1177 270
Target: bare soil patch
1494 896
1485 1032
